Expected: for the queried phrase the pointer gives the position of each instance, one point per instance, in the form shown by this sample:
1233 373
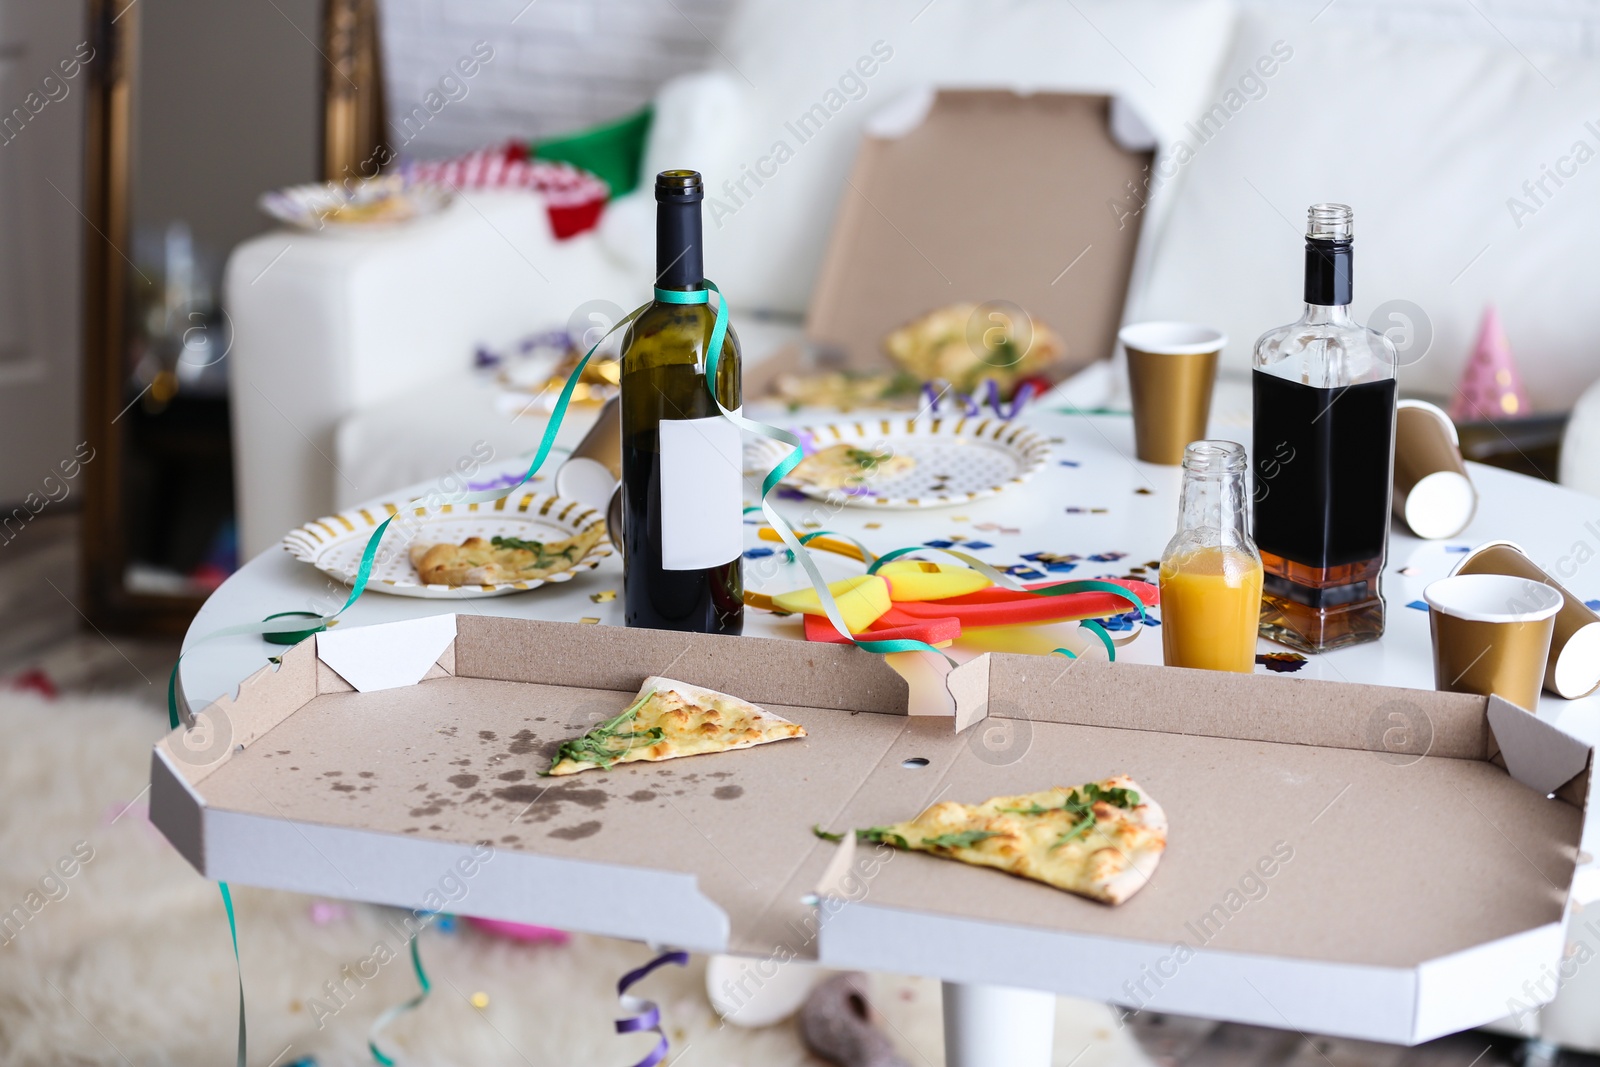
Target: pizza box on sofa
1384 863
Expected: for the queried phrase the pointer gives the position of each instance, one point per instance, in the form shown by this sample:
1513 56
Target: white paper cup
1433 495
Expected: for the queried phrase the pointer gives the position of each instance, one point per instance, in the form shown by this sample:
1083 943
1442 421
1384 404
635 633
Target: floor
42 631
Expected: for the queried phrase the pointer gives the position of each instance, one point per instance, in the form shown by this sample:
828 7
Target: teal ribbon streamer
399 1009
238 968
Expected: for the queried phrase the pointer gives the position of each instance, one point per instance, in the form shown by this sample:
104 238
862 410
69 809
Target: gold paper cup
593 470
1433 495
1491 635
1171 368
1573 667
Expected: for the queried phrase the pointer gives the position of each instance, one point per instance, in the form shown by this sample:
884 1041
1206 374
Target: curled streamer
646 1016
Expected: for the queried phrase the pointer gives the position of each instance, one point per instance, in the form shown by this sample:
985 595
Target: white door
45 63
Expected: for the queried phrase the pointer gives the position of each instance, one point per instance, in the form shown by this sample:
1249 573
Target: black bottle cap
679 187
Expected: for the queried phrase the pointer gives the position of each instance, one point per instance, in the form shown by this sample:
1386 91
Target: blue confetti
757 553
941 544
1457 548
977 544
1069 463
1060 567
1595 604
1420 605
1127 620
1106 557
1019 571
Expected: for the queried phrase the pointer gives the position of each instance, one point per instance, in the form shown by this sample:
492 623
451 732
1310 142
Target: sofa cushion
1431 144
774 126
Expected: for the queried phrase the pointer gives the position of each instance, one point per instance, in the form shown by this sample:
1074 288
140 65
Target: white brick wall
561 65
558 65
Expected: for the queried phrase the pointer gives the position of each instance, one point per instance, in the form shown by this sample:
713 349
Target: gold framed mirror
182 134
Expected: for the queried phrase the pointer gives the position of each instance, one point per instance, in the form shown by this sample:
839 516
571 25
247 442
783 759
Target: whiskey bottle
1323 456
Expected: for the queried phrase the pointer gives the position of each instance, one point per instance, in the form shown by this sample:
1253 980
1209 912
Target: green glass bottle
682 480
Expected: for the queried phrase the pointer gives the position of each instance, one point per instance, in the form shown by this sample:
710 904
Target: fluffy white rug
126 959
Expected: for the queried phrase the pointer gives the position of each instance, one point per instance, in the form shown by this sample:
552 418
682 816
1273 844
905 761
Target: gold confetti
604 596
959 518
590 619
874 525
480 1000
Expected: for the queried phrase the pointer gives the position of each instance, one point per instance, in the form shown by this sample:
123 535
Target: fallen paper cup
1433 494
1573 668
593 470
1491 635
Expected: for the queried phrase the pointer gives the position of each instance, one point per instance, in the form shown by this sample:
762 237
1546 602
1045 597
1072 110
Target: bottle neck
1323 314
1330 267
1214 505
680 261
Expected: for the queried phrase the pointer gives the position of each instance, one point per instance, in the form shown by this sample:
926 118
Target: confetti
324 912
978 545
1458 548
1069 463
757 553
1107 557
480 1000
589 619
940 544
604 596
1086 511
1281 662
1018 570
1142 491
1592 604
874 525
1420 605
960 538
959 518
1409 572
1128 620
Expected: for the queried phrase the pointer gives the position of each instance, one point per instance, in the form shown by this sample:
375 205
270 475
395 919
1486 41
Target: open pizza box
962 195
1384 863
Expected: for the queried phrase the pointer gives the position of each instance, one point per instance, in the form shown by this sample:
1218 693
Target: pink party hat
1491 388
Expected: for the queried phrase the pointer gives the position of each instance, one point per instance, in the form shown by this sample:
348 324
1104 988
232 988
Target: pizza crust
1036 836
692 721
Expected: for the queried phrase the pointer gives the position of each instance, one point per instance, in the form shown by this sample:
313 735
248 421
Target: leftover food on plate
477 561
849 466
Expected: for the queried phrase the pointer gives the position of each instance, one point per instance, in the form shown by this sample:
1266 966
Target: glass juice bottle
1324 456
1211 572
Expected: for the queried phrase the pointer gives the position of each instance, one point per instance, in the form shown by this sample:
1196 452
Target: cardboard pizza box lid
1415 883
979 195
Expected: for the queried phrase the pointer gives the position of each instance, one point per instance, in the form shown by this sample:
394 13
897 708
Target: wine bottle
1324 456
682 465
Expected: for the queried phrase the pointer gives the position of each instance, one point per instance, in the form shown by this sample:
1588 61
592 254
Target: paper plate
955 460
368 205
334 544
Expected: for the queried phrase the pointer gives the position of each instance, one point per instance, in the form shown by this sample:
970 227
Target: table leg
994 1026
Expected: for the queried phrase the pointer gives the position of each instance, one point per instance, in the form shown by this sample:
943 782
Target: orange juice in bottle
1211 571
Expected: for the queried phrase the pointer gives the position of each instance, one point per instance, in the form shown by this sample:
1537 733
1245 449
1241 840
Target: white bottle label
702 483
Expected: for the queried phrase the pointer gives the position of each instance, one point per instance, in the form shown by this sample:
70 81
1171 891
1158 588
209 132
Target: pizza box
1382 863
1052 228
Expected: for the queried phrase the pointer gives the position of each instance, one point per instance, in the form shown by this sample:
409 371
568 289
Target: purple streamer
972 405
647 1015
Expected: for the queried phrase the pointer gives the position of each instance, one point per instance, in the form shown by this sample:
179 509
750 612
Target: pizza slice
1101 840
477 561
849 467
671 719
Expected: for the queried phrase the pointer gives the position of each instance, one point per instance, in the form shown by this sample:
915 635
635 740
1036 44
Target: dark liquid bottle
1324 457
682 483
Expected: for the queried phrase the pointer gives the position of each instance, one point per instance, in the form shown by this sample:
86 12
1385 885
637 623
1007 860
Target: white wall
563 64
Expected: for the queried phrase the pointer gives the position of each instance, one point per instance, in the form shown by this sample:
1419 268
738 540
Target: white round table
1092 500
